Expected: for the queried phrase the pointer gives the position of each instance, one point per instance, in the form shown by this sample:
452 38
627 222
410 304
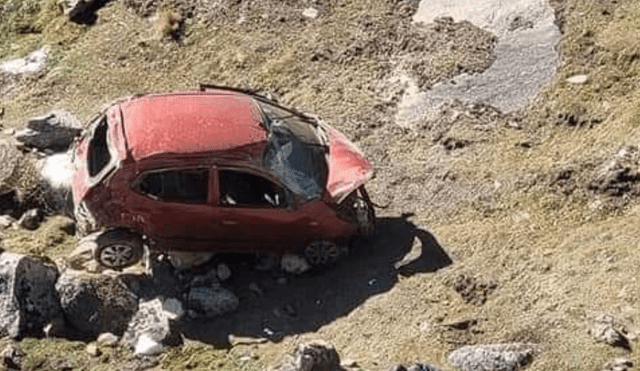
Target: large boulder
54 130
32 64
94 304
28 300
153 327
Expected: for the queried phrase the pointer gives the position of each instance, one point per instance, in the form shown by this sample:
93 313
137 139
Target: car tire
320 252
118 248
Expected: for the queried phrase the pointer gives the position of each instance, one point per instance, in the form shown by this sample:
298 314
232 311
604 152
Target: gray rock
173 308
212 301
294 264
56 131
607 330
27 295
620 364
31 219
94 304
12 357
314 356
151 329
223 272
32 64
497 357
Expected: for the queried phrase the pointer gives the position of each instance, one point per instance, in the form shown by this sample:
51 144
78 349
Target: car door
255 209
175 204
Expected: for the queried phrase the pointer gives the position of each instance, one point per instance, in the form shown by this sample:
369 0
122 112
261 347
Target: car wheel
322 252
118 249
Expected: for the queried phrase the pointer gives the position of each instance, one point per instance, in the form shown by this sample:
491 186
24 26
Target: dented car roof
190 123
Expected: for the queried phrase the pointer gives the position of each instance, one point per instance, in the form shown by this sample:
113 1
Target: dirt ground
497 227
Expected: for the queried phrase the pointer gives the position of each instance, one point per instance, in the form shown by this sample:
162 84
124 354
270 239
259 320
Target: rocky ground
508 237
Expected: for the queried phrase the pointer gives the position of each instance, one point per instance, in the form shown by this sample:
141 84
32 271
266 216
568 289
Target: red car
217 170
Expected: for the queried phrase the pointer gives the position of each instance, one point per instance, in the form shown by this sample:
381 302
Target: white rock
146 346
223 271
6 221
577 79
151 329
33 63
311 13
294 264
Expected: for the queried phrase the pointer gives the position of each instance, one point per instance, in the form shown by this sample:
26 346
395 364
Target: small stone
577 79
620 364
255 288
397 368
351 363
146 346
281 281
93 350
223 272
316 355
12 357
266 262
108 339
294 264
422 367
212 301
31 219
310 13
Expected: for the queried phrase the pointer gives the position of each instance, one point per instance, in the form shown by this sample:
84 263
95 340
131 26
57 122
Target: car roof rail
262 98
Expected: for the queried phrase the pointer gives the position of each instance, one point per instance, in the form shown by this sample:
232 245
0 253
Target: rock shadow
320 296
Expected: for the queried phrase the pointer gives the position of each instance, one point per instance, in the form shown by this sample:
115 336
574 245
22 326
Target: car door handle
229 222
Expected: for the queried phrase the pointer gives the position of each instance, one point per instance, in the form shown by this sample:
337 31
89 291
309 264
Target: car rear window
184 186
99 155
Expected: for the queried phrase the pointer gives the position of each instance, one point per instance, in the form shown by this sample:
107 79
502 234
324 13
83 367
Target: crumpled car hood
348 169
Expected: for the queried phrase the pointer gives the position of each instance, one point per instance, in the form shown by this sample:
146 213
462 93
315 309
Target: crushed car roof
190 123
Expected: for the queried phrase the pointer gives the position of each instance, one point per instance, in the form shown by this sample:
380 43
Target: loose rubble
12 357
28 299
31 219
294 264
497 357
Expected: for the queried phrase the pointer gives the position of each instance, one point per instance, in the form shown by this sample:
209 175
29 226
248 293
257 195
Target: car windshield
297 151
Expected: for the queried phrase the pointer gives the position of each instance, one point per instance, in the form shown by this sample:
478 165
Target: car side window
99 155
184 186
240 189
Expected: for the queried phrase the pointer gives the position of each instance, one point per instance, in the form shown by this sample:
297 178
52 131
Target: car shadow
272 309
